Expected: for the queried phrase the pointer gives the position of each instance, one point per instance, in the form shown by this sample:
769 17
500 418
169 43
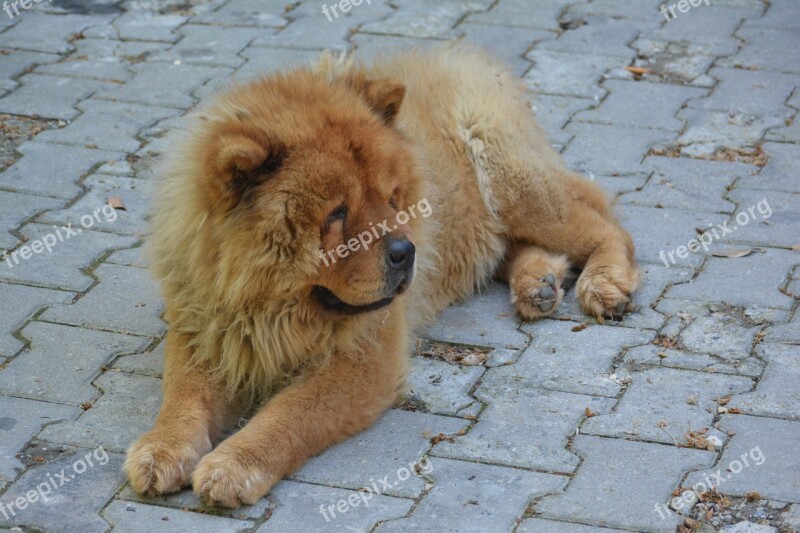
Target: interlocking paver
126 301
299 509
663 404
595 411
623 480
74 505
124 412
369 456
514 413
474 497
22 419
39 374
767 441
52 169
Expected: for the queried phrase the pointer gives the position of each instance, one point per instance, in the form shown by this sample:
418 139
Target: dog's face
313 174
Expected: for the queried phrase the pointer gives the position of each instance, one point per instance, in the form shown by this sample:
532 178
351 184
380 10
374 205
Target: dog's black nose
400 254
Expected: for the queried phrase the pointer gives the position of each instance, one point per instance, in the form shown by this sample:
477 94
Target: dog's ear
384 96
237 164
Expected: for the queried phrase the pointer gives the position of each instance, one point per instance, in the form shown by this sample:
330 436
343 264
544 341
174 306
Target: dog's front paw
535 298
160 463
228 477
606 291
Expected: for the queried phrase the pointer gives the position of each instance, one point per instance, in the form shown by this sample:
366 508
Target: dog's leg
191 417
591 238
319 409
535 277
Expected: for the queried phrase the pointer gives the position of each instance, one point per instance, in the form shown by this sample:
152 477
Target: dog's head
316 188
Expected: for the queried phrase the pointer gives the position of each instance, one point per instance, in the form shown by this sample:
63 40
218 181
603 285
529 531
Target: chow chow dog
276 300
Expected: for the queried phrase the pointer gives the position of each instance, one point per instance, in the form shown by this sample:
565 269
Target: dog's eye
393 203
340 213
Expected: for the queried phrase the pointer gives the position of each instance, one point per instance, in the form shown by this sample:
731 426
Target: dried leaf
638 71
117 203
588 413
580 327
733 254
724 400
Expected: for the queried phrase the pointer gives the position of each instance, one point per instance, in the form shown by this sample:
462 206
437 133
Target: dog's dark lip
332 302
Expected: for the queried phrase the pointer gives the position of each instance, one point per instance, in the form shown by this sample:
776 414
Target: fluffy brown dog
274 296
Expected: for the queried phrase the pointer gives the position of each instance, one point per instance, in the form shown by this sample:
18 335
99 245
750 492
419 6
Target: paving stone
540 525
134 193
398 439
748 527
544 16
709 131
789 332
126 300
569 361
756 277
709 26
568 74
443 388
776 394
15 209
147 363
163 84
502 435
644 10
27 301
52 169
149 26
138 518
674 62
609 150
49 96
507 43
690 184
767 93
108 125
63 267
269 13
655 407
487 319
764 48
623 480
616 185
74 505
663 230
126 410
21 421
298 509
631 103
62 362
780 14
16 62
125 53
370 46
129 257
615 35
475 497
766 217
110 71
210 45
41 32
426 18
308 33
720 333
780 172
187 500
263 61
553 113
768 441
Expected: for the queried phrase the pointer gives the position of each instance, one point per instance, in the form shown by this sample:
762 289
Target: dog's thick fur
274 171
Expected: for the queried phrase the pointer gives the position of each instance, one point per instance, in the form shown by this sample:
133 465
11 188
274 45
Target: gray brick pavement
559 429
